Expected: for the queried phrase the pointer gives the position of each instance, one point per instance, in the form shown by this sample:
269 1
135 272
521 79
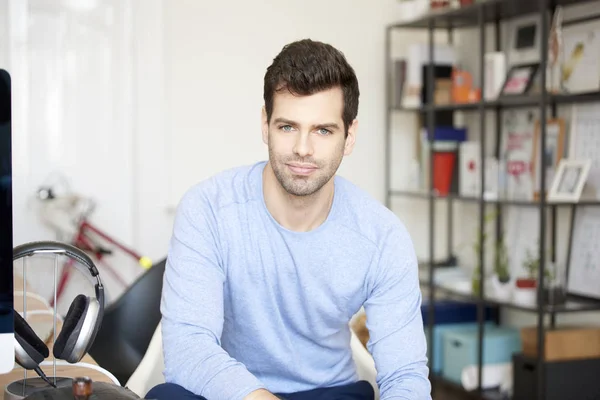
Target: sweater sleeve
393 308
192 308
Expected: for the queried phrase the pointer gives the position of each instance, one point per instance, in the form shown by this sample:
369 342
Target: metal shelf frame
478 15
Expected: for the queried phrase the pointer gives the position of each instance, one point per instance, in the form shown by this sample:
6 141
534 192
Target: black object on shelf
572 379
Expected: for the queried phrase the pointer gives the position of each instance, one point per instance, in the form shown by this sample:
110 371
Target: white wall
88 106
218 53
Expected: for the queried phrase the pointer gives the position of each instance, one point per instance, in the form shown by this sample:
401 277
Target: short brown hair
305 67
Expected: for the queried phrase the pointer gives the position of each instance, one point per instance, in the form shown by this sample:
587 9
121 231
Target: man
269 262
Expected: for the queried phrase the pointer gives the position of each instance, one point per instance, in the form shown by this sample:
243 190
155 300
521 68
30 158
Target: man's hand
261 394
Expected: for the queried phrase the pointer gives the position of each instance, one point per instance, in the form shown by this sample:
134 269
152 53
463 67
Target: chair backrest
129 324
149 372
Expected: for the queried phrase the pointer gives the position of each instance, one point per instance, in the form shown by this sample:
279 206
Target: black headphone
81 323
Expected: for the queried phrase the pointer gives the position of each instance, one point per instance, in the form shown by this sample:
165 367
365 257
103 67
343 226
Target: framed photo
555 148
580 58
524 39
569 180
583 269
519 79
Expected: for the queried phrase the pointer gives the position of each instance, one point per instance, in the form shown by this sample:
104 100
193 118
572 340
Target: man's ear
265 125
351 138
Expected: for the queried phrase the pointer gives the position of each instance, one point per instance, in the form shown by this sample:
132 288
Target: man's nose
303 145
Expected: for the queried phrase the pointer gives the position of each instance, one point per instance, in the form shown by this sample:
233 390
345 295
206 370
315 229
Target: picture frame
583 272
555 151
569 181
580 58
519 79
524 39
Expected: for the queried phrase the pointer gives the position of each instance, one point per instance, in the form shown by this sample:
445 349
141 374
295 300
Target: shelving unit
478 15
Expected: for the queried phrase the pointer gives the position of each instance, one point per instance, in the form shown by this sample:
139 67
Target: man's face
306 139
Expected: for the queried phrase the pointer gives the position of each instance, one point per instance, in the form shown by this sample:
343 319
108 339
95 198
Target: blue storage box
438 344
451 312
460 349
448 133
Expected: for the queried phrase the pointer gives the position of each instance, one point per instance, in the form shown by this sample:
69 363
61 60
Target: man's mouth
301 169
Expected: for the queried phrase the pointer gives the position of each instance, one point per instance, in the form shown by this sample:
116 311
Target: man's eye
286 128
324 131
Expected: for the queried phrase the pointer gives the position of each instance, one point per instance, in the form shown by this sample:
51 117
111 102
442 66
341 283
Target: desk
38 321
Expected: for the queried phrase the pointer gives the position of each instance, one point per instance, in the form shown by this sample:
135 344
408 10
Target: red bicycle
68 215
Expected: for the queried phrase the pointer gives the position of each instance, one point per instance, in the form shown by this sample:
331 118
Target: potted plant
525 286
501 281
531 265
476 278
553 289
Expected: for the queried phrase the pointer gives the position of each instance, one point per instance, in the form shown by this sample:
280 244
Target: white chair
149 373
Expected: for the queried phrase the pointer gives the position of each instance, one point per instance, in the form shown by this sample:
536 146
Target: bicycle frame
85 243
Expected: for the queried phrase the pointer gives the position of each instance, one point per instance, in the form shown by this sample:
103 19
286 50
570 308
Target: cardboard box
564 343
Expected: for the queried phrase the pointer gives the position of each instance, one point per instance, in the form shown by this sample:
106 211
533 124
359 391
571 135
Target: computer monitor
7 355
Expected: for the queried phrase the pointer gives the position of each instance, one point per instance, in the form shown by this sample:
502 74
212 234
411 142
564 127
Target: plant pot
526 283
502 290
475 285
554 295
525 291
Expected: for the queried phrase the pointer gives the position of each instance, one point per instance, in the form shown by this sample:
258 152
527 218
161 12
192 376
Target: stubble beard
302 186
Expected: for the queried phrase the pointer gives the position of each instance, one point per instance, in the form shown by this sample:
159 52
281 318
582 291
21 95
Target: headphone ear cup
70 332
30 350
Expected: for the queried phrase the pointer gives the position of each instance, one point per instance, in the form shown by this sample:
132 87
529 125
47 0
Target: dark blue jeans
361 390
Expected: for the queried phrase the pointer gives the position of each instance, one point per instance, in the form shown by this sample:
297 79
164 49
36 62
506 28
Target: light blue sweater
248 304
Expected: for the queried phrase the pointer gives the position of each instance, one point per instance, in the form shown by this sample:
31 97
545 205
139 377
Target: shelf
461 293
507 202
468 16
510 102
440 383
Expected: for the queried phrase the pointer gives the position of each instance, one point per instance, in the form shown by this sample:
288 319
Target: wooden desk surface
44 323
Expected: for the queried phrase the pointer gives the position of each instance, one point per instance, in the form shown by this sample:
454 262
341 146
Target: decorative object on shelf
439 4
412 9
583 265
580 67
555 145
476 277
526 286
502 277
524 42
517 139
469 175
462 87
555 52
569 181
554 280
397 79
555 292
495 73
519 79
584 142
417 59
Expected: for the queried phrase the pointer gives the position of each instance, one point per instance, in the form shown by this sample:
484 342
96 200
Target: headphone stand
19 390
